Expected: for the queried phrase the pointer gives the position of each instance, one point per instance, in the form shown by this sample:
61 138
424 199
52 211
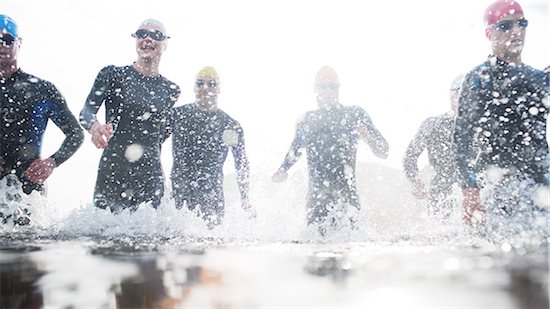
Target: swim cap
208 71
9 26
155 22
499 9
326 75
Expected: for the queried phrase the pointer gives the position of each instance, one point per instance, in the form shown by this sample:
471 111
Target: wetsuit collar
496 61
14 76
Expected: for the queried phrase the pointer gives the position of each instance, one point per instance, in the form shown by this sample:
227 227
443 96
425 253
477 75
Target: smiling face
206 92
148 46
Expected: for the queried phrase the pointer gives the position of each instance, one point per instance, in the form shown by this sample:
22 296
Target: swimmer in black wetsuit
435 135
137 102
202 134
330 136
501 131
26 105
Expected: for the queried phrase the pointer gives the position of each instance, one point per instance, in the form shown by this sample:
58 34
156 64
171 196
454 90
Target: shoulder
535 76
430 121
182 109
111 69
478 77
42 85
307 117
111 72
173 88
356 110
230 121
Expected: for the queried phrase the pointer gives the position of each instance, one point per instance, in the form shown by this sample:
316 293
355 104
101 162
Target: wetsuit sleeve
100 92
374 138
66 121
242 165
415 149
167 115
295 152
465 126
167 124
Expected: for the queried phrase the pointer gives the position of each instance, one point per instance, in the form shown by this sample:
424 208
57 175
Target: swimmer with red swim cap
330 136
501 110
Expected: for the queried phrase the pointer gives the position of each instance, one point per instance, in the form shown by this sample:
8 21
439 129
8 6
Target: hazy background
396 59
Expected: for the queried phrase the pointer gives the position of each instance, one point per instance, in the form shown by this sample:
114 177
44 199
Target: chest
200 130
18 103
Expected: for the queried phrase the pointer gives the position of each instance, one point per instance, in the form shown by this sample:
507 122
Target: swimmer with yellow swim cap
199 157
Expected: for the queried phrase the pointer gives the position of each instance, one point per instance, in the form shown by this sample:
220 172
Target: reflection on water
398 257
182 273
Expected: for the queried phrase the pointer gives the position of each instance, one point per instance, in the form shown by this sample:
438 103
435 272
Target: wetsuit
200 143
26 105
137 106
435 136
502 110
330 137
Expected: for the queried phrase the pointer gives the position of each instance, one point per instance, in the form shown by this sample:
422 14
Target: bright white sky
396 59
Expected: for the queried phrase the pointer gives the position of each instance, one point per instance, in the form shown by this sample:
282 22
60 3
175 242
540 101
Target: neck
7 69
207 106
147 67
509 58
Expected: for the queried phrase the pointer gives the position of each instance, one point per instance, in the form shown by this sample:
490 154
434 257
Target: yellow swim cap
208 71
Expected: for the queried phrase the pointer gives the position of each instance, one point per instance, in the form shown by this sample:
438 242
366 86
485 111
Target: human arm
370 135
101 91
410 161
235 138
168 115
166 124
56 109
467 122
292 155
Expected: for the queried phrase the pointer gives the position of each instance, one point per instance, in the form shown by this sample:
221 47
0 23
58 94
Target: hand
418 190
101 133
40 170
250 209
363 133
474 212
279 176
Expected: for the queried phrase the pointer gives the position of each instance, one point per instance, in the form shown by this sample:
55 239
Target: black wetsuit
137 106
502 110
200 142
436 136
330 137
26 105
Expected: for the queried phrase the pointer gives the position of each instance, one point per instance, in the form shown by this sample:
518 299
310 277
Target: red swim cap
326 75
499 9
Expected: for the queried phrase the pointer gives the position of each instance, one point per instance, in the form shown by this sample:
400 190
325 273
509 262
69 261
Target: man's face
206 92
327 93
9 47
508 36
150 42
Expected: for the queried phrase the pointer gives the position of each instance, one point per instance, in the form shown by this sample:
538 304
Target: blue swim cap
8 25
